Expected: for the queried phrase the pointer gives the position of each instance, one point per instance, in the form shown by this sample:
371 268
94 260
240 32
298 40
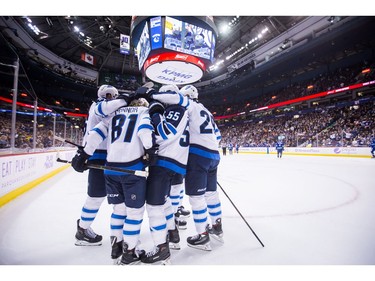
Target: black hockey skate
200 241
181 212
160 255
130 257
216 231
174 239
180 224
116 250
87 237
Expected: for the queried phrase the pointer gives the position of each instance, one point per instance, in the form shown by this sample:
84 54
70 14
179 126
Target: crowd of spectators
324 127
331 125
336 79
25 131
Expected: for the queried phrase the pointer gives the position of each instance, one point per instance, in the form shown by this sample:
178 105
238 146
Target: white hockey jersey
204 134
172 136
91 122
105 108
128 132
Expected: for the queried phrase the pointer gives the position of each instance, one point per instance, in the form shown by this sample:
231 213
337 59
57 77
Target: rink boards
21 172
363 152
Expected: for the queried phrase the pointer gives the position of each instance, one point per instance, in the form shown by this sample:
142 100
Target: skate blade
174 246
85 243
206 247
116 261
132 263
217 237
167 261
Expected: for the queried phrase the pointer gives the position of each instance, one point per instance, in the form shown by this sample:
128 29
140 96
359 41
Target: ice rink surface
310 212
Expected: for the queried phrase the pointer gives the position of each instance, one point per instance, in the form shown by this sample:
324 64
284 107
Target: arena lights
253 40
216 65
224 28
298 100
333 19
26 105
68 114
318 95
35 29
234 21
72 114
80 34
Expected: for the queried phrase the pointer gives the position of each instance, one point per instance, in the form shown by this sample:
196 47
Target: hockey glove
127 97
155 107
79 161
151 155
169 89
144 92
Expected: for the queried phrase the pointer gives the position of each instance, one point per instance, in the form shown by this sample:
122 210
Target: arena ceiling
58 35
353 39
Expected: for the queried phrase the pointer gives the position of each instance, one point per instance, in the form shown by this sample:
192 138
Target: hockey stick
240 214
110 168
67 141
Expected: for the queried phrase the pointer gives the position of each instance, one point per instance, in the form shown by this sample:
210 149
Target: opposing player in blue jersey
96 192
130 134
372 145
279 149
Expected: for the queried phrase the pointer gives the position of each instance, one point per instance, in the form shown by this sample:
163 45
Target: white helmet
106 90
189 91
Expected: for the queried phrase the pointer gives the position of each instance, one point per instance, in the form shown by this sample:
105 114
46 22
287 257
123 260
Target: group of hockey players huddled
173 137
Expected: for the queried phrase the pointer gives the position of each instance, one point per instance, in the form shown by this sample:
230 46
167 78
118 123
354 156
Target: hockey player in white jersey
204 158
201 174
96 192
130 134
172 136
107 107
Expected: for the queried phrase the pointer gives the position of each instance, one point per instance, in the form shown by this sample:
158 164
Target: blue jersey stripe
171 166
203 153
